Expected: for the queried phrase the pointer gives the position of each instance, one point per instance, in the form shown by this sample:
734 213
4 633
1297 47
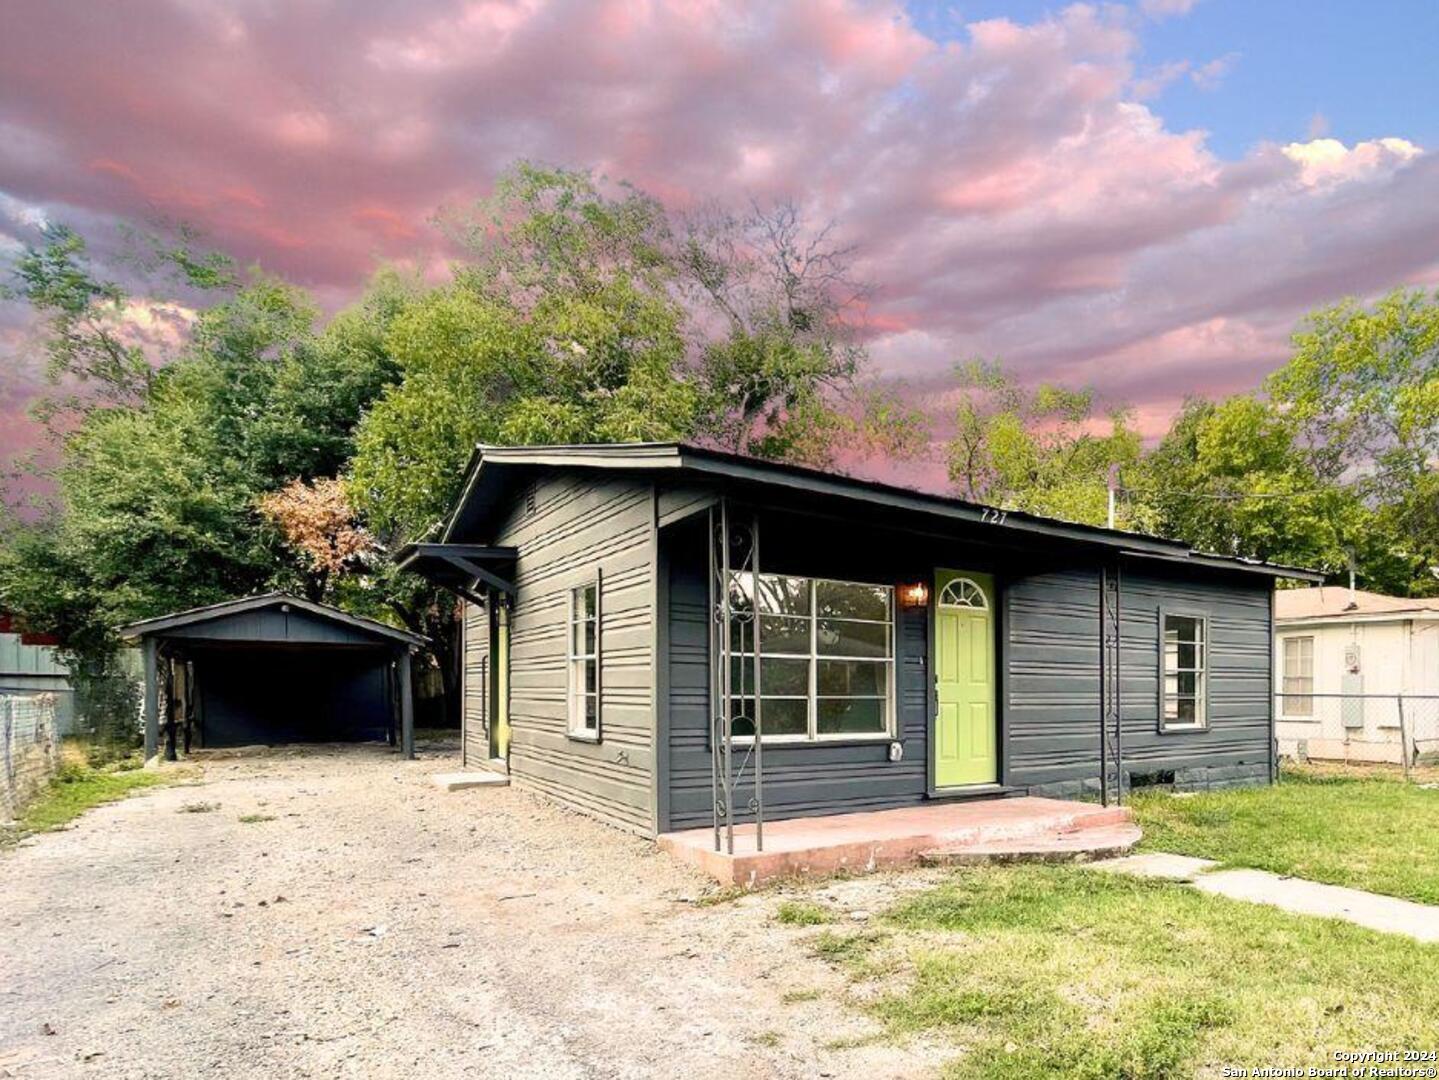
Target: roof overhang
465 569
494 472
212 612
1347 618
1230 563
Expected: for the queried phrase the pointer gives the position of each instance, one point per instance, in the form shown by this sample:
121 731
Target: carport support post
407 708
152 698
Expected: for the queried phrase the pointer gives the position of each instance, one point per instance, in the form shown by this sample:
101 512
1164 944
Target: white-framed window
1184 656
827 658
1298 676
584 661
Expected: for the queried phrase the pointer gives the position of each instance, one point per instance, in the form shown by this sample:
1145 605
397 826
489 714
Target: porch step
869 840
1058 819
1075 845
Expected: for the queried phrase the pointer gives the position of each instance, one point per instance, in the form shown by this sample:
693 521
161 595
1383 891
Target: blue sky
1368 68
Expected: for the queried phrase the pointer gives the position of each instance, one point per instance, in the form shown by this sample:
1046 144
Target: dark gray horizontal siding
582 523
475 722
1052 649
1239 676
798 780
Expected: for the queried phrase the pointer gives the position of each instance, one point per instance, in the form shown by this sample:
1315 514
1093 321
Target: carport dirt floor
378 927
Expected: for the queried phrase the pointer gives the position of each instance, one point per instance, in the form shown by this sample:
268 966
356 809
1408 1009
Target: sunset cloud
1015 192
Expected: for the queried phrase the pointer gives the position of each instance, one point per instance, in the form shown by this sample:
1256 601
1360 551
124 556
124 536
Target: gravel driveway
377 927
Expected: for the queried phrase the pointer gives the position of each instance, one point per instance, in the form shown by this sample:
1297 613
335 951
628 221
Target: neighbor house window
826 658
584 661
1298 682
1184 651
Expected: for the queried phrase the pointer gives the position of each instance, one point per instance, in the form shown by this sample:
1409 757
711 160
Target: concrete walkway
1387 914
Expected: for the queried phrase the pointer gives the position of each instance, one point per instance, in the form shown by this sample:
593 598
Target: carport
274 669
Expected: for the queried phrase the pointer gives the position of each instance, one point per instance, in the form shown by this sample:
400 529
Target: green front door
965 750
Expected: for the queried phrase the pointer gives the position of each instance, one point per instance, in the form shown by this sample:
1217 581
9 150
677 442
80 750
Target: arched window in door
963 593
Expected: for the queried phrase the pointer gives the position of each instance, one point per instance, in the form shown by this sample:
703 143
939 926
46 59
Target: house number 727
993 517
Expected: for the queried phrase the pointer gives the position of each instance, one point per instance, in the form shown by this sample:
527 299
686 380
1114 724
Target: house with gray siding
910 647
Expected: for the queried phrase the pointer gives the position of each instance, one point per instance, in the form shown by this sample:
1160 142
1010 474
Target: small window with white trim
1298 684
584 661
1184 652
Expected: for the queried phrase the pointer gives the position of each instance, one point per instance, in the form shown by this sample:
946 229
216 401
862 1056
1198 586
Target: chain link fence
1360 729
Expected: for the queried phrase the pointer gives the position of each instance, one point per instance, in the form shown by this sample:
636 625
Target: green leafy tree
158 475
1037 449
1335 462
85 337
1230 478
782 373
1363 389
574 316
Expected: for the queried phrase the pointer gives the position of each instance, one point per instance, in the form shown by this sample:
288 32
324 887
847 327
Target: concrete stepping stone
459 781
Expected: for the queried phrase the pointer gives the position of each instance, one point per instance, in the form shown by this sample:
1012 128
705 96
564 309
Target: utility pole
1113 488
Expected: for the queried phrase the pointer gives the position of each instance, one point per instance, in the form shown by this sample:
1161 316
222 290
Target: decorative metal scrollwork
735 671
1111 716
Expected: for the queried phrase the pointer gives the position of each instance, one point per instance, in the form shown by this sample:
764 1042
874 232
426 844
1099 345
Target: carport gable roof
491 470
179 620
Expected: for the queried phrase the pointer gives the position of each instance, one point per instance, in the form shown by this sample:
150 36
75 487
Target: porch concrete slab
1104 842
868 841
1388 914
460 781
1158 864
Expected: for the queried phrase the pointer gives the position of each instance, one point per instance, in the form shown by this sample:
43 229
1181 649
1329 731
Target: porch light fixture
914 594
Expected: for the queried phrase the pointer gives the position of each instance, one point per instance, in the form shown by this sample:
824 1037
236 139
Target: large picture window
826 658
584 661
1298 682
1184 650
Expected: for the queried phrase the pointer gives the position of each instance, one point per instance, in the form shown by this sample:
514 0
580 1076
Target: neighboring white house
1334 641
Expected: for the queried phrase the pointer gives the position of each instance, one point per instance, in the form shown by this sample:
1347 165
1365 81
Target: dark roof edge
677 456
191 616
1231 562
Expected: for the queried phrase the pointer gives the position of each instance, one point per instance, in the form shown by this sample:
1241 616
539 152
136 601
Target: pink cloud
1011 191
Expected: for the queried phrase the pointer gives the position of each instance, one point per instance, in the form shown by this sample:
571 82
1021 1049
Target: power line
1236 496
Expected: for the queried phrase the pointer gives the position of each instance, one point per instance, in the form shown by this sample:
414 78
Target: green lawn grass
76 789
1044 971
1372 833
